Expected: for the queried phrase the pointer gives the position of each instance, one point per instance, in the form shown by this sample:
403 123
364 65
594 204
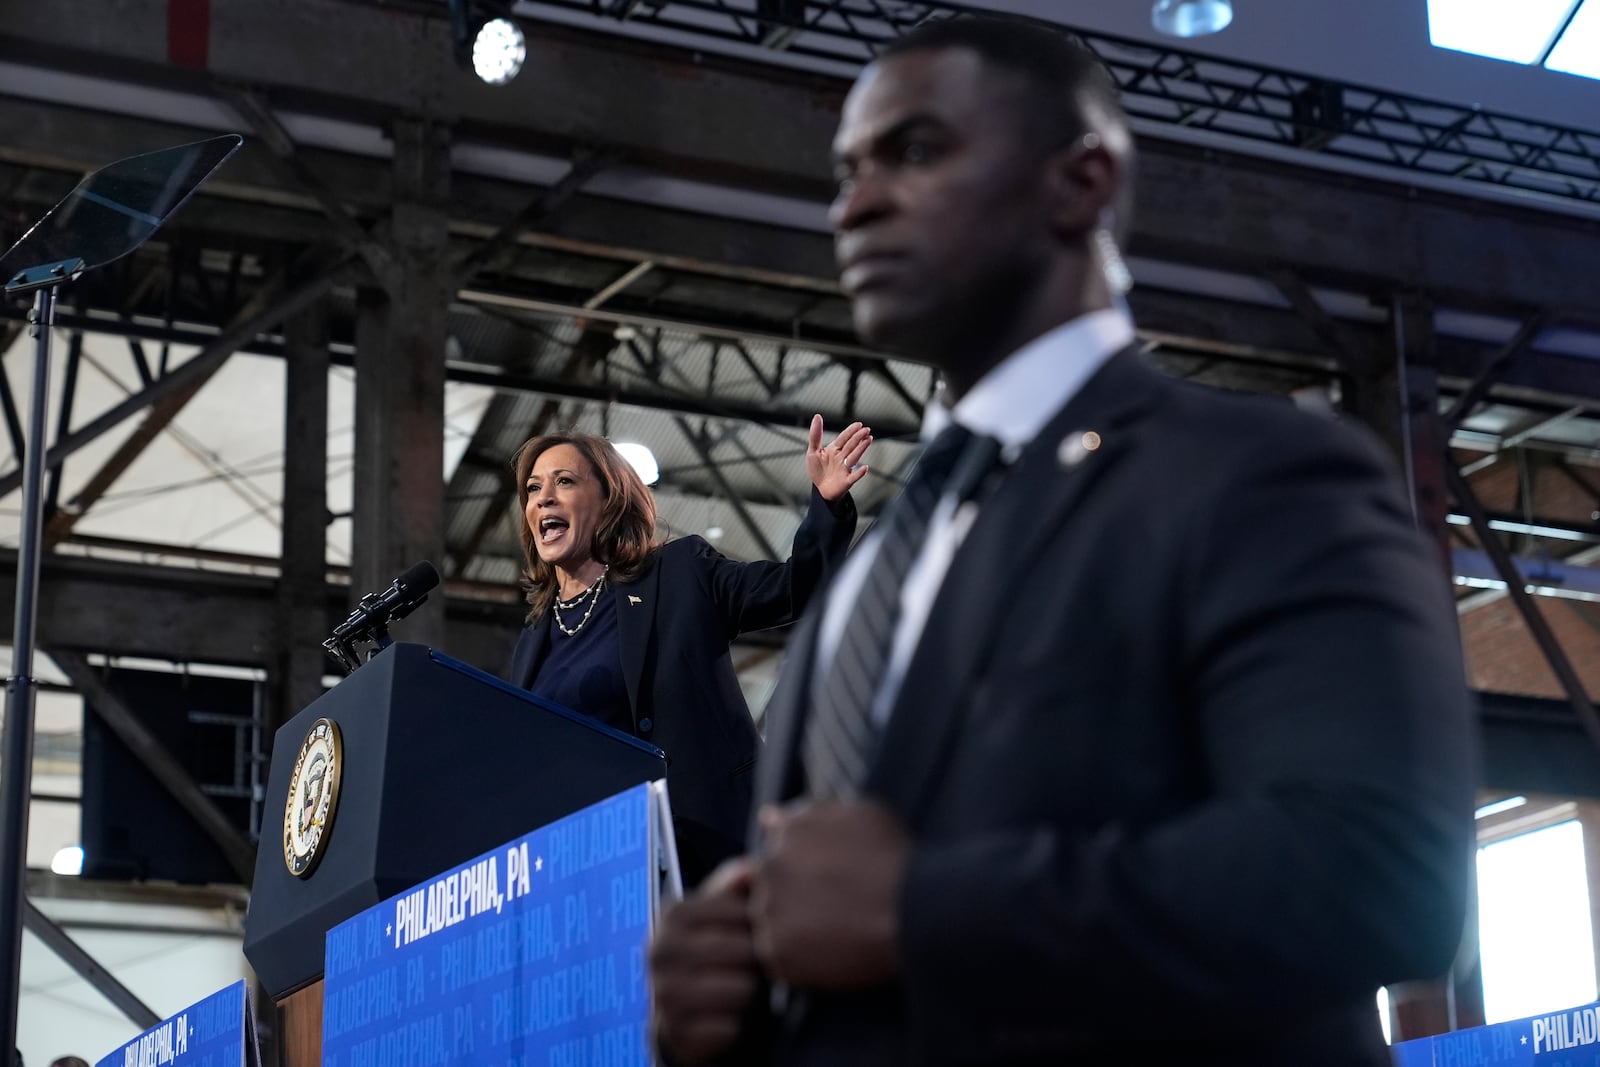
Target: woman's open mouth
551 529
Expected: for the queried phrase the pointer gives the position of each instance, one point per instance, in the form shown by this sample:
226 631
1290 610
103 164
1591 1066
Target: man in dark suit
1168 739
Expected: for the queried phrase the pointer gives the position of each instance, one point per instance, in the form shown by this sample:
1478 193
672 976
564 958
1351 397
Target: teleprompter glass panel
117 208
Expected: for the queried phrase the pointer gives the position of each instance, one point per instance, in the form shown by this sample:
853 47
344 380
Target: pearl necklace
556 605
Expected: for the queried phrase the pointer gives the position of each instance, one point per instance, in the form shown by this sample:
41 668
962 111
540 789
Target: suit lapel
636 602
1036 496
778 766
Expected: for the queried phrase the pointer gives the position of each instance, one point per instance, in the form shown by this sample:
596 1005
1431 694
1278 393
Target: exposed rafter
172 390
1172 87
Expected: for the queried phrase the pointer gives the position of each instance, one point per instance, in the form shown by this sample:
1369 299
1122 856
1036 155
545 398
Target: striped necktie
840 736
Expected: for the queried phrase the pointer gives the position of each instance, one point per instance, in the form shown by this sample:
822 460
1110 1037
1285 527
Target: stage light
1191 18
641 459
498 51
68 861
487 39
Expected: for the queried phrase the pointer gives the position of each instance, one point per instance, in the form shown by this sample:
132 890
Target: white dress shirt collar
1016 398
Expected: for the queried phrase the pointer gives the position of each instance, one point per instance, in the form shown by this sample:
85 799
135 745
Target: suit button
645 725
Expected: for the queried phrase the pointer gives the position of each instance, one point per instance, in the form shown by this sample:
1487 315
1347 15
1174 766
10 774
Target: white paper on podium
664 850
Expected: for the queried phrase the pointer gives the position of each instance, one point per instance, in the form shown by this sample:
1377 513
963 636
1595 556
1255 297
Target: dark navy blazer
1186 747
675 624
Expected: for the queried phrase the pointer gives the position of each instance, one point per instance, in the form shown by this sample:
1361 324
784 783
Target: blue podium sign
532 953
1569 1038
210 1033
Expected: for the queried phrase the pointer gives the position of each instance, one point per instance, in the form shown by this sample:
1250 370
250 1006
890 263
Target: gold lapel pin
1076 447
633 599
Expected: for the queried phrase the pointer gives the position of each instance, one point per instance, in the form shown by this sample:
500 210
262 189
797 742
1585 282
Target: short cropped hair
1062 78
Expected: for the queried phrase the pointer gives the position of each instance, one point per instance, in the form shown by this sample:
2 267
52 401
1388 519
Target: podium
412 764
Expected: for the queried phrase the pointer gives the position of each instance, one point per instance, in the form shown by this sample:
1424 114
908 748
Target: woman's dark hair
625 536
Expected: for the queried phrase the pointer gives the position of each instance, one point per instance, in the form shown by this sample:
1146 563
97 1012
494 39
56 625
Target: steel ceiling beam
8 400
674 402
501 248
1328 330
1535 745
1530 526
88 968
1254 347
737 127
123 721
627 278
1577 696
45 146
1531 428
682 403
1580 480
654 367
697 441
1475 393
1171 86
167 395
282 150
779 490
210 615
1261 348
732 433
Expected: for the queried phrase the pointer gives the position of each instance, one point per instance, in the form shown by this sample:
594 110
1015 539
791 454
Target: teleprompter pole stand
107 215
16 739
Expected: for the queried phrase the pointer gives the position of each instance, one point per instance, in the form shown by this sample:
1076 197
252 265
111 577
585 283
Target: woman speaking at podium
636 633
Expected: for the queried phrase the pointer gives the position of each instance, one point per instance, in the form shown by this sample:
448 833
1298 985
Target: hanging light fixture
487 40
1191 18
498 51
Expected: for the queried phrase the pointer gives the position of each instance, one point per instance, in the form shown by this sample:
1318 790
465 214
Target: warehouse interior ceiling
746 333
634 302
1394 45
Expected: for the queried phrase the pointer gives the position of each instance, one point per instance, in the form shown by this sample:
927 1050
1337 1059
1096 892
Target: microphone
376 611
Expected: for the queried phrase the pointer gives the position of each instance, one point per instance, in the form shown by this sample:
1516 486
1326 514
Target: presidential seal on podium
313 797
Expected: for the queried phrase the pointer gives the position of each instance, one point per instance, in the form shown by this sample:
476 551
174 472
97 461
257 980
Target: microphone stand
341 645
367 624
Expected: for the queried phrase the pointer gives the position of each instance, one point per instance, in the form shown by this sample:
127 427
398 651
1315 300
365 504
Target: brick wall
1556 495
1502 657
1501 654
